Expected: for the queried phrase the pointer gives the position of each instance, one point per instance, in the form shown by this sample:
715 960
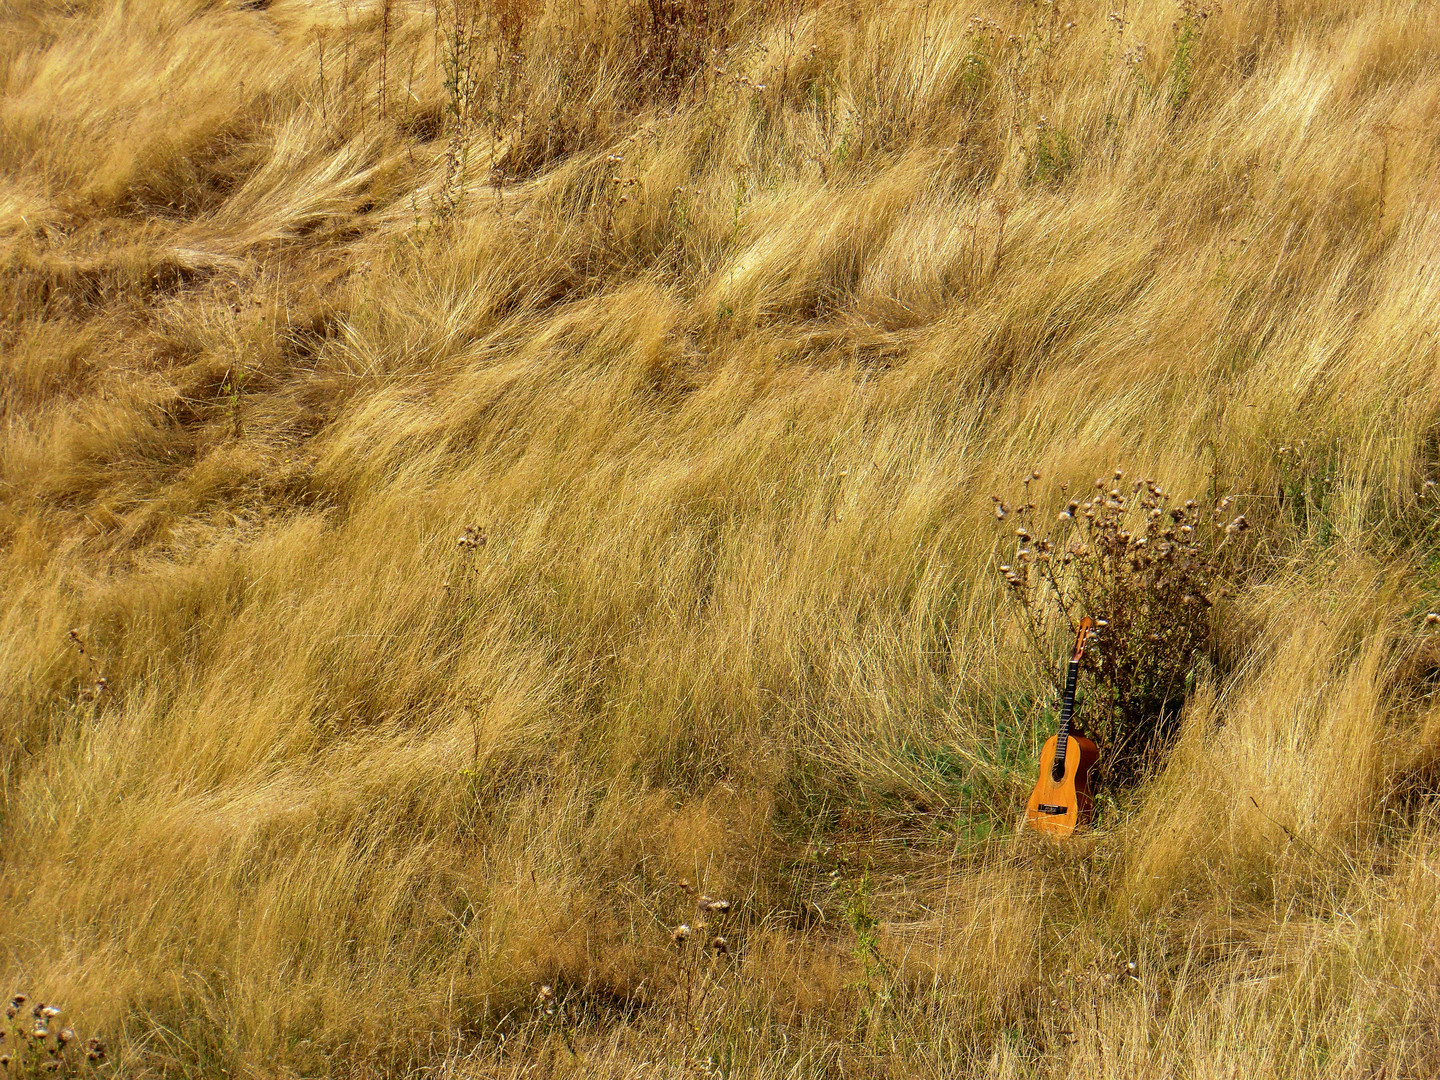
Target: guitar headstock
1082 635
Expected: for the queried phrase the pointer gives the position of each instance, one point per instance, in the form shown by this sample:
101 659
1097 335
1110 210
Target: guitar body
1058 807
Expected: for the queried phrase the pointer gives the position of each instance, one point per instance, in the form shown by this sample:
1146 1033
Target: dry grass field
709 328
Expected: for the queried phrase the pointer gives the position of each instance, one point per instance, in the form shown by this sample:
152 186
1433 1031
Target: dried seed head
720 945
65 1035
1432 619
1118 473
49 1012
1237 526
680 934
1035 474
684 885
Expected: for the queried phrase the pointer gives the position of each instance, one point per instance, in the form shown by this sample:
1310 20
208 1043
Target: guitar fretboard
1067 709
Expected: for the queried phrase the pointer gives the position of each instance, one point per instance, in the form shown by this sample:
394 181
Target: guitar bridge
1051 808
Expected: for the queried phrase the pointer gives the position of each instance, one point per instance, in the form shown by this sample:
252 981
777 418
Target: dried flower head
720 945
1432 619
49 1012
65 1035
680 934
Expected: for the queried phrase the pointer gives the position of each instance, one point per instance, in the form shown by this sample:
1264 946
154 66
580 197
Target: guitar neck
1067 709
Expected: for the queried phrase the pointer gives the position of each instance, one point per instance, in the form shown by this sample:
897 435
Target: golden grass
724 376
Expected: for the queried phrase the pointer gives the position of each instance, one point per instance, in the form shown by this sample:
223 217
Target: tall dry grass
710 327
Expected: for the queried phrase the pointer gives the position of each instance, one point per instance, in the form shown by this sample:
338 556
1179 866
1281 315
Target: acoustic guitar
1060 803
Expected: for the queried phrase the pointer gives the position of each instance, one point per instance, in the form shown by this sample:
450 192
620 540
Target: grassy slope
273 338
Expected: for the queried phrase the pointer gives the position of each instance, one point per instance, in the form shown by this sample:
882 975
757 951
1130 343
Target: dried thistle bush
1148 572
673 39
32 1045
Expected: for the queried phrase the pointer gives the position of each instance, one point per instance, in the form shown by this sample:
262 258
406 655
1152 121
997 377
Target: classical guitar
1060 802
